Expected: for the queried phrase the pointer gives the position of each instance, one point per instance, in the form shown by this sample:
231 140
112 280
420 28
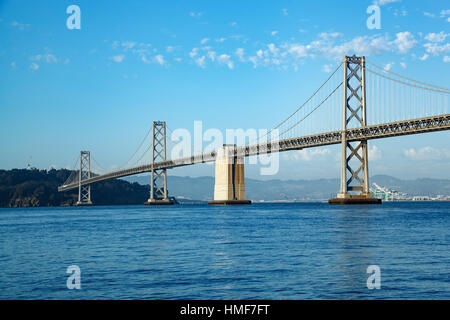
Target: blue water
261 251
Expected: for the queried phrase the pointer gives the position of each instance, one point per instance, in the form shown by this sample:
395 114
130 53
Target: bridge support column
158 183
354 154
229 187
84 191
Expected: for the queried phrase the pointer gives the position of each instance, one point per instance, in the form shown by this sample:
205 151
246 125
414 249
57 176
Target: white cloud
34 66
204 40
273 49
226 59
388 66
446 59
363 45
445 12
402 13
18 25
374 153
201 62
193 53
330 35
427 153
221 39
128 45
327 68
170 49
436 49
429 15
240 53
13 64
211 55
274 33
119 58
384 2
405 41
48 58
308 154
195 14
424 57
233 24
160 59
403 65
299 51
437 37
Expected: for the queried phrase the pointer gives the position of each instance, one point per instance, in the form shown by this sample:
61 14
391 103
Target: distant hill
33 188
202 188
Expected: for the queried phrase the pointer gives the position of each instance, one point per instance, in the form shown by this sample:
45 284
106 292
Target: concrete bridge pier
229 187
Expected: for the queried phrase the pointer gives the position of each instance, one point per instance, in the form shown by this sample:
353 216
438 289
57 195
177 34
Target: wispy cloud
201 61
308 154
34 66
20 26
288 54
327 68
374 153
388 66
437 37
226 59
427 153
195 14
384 2
424 57
160 59
119 58
47 58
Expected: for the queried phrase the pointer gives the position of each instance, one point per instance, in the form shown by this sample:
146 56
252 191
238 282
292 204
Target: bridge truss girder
377 131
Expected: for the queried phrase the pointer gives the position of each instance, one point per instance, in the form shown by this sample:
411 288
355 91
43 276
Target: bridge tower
158 177
84 191
354 154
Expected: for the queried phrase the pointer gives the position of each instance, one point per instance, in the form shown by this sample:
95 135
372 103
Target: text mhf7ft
235 309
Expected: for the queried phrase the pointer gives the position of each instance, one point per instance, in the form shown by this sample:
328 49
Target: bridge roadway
385 130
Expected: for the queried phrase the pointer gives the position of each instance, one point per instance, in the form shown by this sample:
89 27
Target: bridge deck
386 130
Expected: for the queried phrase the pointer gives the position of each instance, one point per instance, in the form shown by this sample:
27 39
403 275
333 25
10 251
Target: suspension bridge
358 102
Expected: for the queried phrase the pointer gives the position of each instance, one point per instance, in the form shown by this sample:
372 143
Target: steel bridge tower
84 191
158 177
354 154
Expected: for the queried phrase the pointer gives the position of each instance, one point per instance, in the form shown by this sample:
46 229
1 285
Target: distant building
387 194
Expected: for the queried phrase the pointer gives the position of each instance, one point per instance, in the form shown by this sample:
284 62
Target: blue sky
233 64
